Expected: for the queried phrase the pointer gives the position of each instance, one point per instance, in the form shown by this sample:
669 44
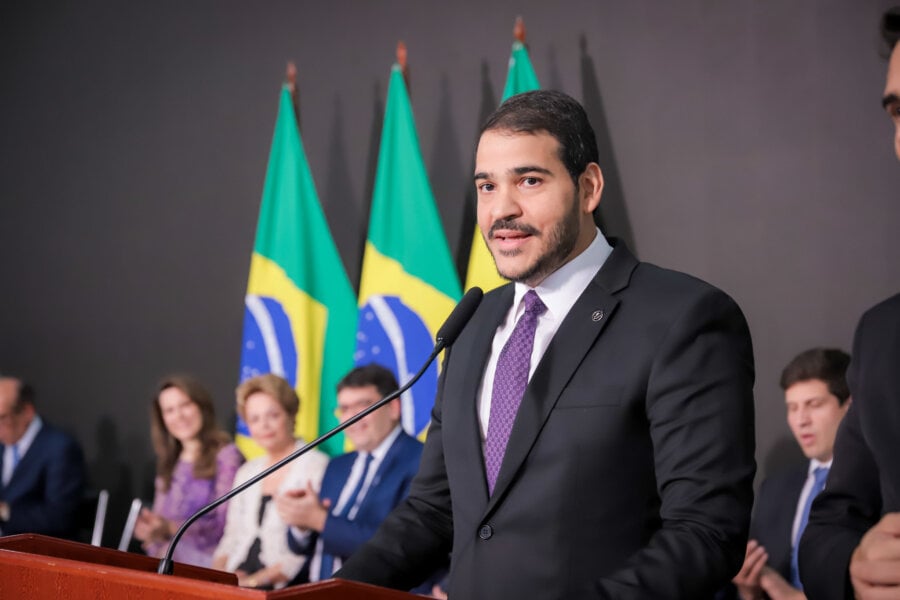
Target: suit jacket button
485 532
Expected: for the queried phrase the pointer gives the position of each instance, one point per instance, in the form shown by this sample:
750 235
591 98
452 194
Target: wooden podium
35 567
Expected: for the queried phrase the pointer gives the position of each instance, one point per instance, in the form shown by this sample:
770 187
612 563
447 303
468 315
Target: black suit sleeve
699 405
857 492
840 515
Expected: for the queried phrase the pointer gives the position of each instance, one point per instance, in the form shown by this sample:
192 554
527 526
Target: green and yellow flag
408 284
300 308
519 78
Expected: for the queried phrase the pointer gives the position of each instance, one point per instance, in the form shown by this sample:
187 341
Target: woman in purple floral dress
195 463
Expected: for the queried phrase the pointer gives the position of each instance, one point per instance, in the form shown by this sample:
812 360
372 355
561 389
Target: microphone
445 337
458 318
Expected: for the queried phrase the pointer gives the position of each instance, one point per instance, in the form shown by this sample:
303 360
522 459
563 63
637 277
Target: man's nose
505 205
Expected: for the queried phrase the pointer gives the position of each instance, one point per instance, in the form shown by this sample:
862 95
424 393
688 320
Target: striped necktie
326 568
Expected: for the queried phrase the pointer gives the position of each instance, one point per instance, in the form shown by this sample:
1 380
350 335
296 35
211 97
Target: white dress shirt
22 446
558 291
807 490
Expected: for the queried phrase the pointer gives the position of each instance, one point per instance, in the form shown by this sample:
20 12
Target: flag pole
290 78
404 66
519 30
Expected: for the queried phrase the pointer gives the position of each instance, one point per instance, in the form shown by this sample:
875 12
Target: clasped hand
875 564
302 508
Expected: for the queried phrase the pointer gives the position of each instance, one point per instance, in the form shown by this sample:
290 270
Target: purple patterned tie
510 380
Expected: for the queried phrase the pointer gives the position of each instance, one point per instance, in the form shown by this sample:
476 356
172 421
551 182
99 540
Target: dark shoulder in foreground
884 313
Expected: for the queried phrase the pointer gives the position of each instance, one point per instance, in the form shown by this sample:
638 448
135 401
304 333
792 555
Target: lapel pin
598 314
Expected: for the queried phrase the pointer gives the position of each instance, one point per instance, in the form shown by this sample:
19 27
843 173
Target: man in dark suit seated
817 398
851 548
359 488
592 435
43 471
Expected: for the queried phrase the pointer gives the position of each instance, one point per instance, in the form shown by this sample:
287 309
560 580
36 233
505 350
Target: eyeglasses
354 407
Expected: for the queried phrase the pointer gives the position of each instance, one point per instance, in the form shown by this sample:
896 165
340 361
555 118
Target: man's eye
530 181
486 187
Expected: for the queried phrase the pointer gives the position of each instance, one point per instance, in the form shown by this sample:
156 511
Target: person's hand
151 527
246 580
875 564
265 577
777 587
438 592
302 508
747 579
219 562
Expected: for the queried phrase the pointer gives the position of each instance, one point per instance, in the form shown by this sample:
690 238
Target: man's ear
590 187
394 407
28 410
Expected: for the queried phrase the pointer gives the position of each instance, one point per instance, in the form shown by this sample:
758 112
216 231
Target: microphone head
454 324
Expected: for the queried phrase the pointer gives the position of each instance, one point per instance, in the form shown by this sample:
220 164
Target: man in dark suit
359 488
851 547
593 430
817 397
43 470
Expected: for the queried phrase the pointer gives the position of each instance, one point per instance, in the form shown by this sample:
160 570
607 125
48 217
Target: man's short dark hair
370 374
890 27
26 394
825 364
555 113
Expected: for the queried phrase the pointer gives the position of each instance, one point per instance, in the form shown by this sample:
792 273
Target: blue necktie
15 454
355 495
326 567
820 474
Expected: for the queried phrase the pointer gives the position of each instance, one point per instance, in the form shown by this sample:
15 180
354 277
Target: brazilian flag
300 307
519 78
408 283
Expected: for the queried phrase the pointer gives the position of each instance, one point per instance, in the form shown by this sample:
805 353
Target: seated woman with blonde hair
195 464
255 543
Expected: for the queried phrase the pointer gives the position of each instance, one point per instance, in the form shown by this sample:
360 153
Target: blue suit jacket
341 537
47 486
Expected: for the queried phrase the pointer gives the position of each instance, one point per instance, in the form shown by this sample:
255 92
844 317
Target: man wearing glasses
42 467
359 488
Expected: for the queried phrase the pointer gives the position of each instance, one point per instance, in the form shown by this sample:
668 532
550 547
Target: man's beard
561 239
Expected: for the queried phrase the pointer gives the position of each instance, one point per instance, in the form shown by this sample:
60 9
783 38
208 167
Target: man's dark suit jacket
341 536
629 469
773 520
47 486
864 480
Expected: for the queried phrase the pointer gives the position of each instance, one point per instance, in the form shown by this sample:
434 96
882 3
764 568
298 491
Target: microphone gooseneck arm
445 337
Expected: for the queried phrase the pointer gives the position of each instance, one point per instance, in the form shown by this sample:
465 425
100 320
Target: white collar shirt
558 291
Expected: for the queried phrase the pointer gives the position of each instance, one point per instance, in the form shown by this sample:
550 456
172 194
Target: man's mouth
510 230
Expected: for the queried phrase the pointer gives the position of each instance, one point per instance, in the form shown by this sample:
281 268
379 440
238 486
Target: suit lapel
23 468
339 482
387 464
576 335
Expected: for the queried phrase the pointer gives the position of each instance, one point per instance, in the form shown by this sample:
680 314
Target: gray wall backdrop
742 142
